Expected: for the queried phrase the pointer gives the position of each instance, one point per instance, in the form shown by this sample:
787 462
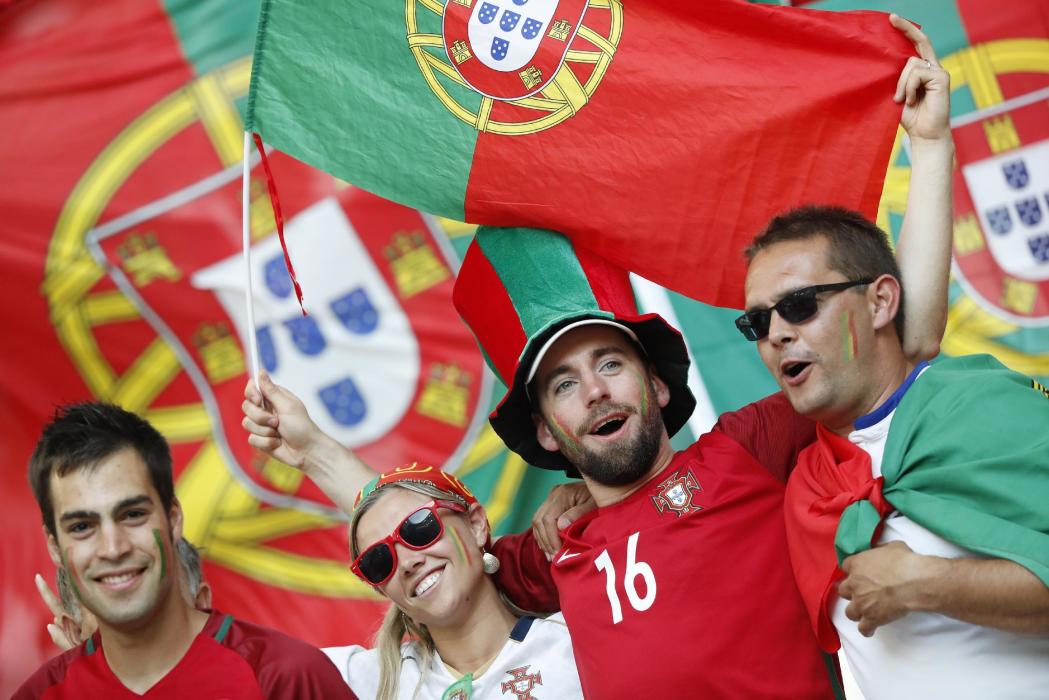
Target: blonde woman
419 536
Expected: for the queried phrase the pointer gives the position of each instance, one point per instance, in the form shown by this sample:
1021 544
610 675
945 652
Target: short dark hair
82 435
858 249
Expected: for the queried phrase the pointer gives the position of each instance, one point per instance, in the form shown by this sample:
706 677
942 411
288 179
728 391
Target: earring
489 562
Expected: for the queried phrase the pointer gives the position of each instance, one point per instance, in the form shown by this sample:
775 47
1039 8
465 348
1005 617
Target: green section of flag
939 18
374 93
967 457
729 365
213 34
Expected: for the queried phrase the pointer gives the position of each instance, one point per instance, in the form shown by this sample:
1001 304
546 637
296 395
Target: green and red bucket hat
519 289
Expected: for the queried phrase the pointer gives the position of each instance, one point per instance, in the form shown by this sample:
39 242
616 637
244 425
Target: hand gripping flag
661 134
967 458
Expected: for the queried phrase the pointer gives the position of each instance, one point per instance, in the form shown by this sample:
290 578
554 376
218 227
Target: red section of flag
122 191
58 57
674 164
987 22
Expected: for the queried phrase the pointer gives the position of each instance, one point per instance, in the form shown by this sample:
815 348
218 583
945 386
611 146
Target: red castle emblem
521 683
507 49
676 493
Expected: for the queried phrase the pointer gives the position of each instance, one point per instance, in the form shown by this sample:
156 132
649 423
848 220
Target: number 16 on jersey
634 570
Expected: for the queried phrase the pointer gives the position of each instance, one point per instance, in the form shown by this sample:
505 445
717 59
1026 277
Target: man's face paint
162 547
849 339
644 385
74 575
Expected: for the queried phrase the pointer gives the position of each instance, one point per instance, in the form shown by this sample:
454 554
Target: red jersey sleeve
287 668
771 431
524 573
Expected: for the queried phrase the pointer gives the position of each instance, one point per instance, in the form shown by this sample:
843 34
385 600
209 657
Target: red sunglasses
376 564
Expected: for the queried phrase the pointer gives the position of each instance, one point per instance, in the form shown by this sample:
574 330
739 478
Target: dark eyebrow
93 515
133 501
78 515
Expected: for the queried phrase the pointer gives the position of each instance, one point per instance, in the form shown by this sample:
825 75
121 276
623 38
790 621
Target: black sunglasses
796 307
419 530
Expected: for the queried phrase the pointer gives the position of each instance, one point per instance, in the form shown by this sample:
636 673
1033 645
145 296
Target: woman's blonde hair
396 624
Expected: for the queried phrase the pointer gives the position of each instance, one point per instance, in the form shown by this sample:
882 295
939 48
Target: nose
595 388
409 560
781 332
115 542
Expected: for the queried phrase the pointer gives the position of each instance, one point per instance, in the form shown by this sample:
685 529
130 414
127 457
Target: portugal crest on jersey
521 683
1001 246
510 49
677 493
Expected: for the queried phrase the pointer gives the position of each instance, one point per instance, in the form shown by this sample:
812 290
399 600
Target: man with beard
102 478
679 583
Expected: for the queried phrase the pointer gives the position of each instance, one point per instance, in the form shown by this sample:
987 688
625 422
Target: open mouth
608 427
793 369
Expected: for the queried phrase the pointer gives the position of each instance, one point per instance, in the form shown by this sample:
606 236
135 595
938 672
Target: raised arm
281 427
924 248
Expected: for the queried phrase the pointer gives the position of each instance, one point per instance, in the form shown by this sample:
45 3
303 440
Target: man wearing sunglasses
679 585
102 478
943 468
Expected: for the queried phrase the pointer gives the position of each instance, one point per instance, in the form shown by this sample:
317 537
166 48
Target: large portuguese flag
662 134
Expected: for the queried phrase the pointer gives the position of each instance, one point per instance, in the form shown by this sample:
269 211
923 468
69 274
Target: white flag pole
253 346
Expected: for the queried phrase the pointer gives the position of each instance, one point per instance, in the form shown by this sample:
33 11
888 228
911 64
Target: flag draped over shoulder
967 457
661 134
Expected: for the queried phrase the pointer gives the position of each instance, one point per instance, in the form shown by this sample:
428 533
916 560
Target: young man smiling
944 468
102 478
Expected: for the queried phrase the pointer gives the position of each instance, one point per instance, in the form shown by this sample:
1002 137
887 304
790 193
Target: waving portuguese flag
662 134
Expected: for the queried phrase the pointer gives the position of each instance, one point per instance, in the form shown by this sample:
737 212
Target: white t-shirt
927 656
536 662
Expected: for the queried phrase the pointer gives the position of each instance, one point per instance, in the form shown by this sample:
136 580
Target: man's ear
661 389
477 519
175 519
543 434
883 295
203 599
52 548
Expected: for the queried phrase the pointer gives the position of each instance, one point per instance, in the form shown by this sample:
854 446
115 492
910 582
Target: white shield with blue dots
505 34
354 361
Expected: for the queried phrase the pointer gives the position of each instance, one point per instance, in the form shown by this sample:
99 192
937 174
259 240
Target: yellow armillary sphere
221 515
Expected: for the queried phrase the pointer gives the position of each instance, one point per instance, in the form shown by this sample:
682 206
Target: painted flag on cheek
682 125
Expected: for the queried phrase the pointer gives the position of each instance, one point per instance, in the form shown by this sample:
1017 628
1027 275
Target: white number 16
634 570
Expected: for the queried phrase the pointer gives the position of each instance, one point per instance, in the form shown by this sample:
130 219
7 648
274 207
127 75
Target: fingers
867 627
544 525
915 36
914 74
259 422
58 637
852 611
50 599
266 444
573 514
845 589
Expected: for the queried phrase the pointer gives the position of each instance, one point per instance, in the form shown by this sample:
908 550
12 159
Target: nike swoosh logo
567 555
